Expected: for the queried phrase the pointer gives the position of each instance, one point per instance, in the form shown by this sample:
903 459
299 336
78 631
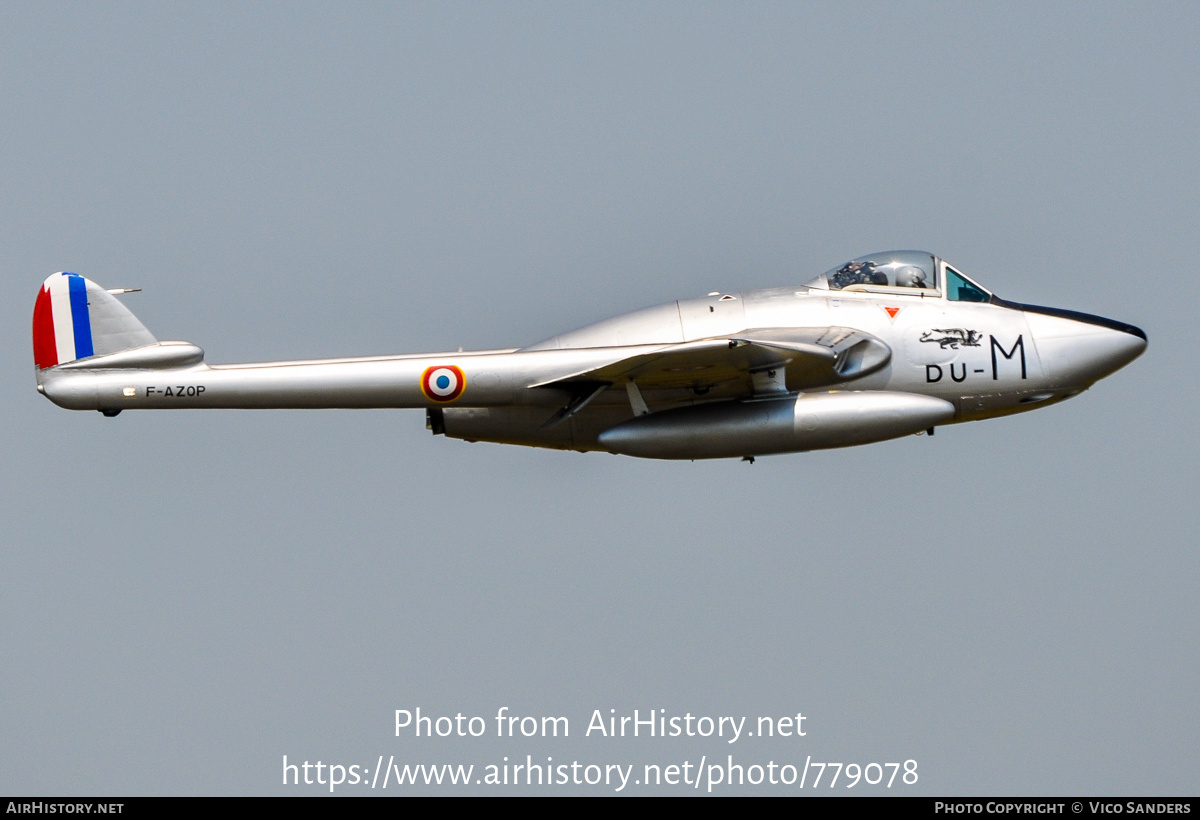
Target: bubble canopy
908 270
913 273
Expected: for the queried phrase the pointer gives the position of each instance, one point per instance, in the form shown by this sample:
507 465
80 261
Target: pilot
857 273
848 274
910 276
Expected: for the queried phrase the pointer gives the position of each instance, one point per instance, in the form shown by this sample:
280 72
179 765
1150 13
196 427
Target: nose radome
1118 348
1076 349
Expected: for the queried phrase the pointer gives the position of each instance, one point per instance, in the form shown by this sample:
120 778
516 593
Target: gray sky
187 597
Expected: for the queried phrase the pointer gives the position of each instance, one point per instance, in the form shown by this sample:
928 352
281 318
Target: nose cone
1076 349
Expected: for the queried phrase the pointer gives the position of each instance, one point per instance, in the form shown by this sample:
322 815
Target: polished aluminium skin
887 345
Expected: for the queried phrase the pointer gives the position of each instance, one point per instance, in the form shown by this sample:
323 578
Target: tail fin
74 318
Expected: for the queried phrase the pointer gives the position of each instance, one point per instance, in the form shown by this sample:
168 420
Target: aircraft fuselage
711 364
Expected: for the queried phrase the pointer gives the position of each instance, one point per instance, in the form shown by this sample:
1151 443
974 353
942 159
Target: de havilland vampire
883 346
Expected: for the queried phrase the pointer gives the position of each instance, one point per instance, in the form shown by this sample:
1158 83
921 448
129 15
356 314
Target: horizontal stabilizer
160 356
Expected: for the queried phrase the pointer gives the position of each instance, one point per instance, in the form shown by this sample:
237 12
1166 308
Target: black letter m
1020 342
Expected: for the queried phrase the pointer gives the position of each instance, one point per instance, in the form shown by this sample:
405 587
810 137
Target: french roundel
443 383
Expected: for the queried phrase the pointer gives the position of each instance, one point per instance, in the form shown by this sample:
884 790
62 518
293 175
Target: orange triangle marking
892 311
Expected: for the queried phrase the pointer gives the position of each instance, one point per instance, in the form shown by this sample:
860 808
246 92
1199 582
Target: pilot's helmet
910 276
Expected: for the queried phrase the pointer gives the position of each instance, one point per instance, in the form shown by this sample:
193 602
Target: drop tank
810 421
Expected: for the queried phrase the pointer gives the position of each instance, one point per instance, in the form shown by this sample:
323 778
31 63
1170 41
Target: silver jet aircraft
883 346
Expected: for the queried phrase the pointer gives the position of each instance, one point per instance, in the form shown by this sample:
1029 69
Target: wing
795 358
